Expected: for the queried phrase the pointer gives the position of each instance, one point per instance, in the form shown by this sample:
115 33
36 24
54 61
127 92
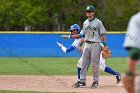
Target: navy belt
90 42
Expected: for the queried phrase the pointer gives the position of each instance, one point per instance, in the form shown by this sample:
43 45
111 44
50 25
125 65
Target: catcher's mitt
106 53
128 82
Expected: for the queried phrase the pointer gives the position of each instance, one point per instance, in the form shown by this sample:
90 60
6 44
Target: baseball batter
75 29
132 44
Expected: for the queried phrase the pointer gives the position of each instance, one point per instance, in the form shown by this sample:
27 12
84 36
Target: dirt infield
57 84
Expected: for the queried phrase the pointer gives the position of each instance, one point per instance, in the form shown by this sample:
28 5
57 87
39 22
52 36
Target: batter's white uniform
132 38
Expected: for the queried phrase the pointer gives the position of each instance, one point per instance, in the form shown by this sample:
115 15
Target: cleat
118 78
79 85
76 83
95 84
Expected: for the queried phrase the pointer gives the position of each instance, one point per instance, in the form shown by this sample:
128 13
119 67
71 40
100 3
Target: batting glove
59 44
65 36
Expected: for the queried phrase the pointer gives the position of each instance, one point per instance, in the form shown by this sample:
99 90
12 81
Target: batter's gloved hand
59 44
65 36
106 53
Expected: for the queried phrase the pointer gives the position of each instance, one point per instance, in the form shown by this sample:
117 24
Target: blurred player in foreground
75 29
132 45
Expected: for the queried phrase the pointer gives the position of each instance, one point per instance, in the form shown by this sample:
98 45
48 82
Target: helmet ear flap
78 31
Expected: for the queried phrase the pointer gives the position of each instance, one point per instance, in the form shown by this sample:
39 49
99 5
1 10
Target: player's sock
111 71
78 73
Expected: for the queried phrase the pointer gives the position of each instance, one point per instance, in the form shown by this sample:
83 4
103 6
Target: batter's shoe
95 84
118 78
79 85
76 83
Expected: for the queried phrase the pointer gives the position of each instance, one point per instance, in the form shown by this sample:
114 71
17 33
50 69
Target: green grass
9 91
50 66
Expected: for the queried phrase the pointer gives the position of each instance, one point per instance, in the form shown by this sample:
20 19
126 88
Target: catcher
105 54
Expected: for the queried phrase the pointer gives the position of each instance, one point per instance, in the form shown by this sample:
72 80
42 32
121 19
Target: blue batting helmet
75 27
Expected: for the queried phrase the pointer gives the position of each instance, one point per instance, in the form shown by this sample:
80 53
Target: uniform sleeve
83 31
101 28
70 48
76 43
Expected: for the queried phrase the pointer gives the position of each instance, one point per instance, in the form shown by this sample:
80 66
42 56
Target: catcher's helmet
75 27
90 8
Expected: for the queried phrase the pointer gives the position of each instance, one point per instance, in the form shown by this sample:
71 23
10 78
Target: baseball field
53 75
